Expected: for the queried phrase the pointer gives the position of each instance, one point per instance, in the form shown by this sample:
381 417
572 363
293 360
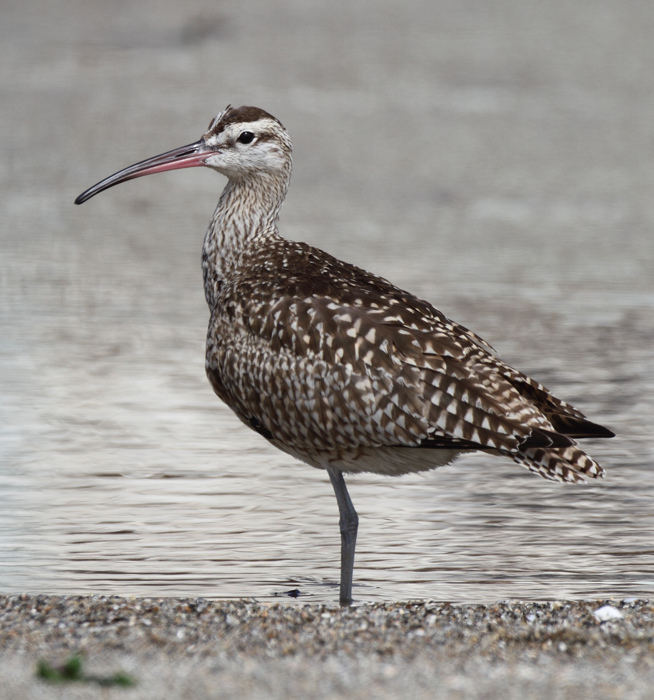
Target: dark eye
246 137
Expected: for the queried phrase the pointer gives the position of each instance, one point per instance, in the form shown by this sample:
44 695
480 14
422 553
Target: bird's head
240 143
247 141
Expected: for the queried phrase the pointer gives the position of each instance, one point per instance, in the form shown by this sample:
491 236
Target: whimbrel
336 366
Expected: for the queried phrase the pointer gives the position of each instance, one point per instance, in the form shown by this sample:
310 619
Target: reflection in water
123 473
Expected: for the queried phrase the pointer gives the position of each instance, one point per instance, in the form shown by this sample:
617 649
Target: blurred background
495 158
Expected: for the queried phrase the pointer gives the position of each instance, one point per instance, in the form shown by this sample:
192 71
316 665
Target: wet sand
192 647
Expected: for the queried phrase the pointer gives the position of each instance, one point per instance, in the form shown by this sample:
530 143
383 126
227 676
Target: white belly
392 461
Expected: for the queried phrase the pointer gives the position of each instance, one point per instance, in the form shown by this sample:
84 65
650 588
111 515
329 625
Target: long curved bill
191 156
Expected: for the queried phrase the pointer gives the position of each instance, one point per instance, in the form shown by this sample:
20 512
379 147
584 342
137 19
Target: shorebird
336 366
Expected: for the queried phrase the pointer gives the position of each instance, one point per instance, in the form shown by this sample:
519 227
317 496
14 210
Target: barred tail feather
567 464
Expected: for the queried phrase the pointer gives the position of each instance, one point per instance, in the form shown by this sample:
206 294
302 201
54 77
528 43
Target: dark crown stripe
238 115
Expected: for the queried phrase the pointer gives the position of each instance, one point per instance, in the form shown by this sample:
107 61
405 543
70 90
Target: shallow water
517 199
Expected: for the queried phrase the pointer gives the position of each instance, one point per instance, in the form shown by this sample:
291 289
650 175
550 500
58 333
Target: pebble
608 612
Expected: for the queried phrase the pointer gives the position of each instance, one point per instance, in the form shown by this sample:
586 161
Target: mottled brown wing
330 357
376 376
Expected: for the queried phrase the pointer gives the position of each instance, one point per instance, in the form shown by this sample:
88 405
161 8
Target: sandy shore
183 648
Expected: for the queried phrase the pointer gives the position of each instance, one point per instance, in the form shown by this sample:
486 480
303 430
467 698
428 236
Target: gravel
183 648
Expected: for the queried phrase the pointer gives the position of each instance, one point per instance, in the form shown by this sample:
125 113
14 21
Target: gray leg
349 523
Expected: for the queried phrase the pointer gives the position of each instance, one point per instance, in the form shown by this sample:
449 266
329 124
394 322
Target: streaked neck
246 215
